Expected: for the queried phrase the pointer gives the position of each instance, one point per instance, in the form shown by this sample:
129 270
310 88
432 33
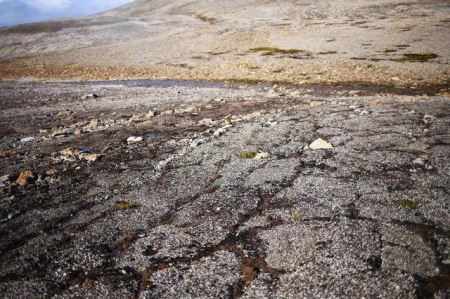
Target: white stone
134 139
320 144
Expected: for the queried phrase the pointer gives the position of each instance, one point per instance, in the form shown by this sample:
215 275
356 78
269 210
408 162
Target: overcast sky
25 11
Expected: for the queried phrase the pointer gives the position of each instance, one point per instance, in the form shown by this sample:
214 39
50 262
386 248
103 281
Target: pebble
419 161
4 178
134 139
64 113
320 144
27 139
262 155
24 177
89 96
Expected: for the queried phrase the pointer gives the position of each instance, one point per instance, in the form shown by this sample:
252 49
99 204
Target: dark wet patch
274 50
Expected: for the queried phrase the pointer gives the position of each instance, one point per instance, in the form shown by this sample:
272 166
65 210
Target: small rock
262 155
24 178
419 161
221 131
197 142
320 144
150 115
64 114
89 96
150 136
206 122
364 112
4 178
27 139
89 157
134 139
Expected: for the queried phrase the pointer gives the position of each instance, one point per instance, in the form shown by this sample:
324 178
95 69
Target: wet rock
320 144
25 177
150 137
134 139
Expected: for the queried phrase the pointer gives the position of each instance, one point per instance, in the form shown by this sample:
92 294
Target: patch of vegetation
244 80
407 203
390 50
274 50
327 52
247 154
416 57
124 205
295 217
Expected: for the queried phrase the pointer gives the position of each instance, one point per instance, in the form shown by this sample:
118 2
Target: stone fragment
4 178
89 157
419 161
262 155
89 96
27 139
320 144
64 114
134 139
25 177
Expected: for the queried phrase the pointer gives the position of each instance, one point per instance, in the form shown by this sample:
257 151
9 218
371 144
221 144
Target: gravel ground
390 42
260 191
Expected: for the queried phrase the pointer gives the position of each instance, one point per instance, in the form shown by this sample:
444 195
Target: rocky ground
390 42
199 190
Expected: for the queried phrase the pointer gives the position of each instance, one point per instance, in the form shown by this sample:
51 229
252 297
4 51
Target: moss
247 155
295 217
123 205
327 52
244 80
416 57
407 203
274 50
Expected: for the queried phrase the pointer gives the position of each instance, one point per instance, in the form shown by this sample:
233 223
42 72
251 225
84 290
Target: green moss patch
247 154
407 203
416 57
123 205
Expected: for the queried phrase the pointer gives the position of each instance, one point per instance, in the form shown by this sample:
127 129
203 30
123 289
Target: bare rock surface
189 213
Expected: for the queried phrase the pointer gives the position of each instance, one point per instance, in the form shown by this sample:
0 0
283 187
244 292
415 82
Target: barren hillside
383 42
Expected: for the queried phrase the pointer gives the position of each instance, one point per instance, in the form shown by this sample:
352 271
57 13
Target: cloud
48 5
25 11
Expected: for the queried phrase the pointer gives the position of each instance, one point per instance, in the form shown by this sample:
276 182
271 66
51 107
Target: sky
14 12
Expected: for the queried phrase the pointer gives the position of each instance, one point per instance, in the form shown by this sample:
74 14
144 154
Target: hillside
381 42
